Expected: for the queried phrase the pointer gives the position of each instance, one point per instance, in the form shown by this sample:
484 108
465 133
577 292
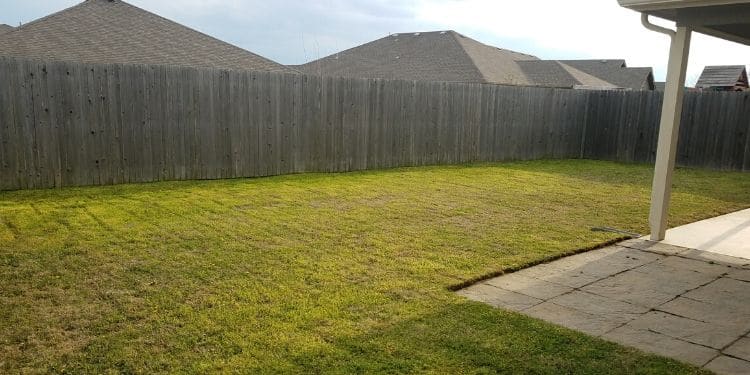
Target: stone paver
562 274
499 297
622 260
662 344
614 310
734 293
743 275
677 302
529 286
592 324
654 247
713 335
740 349
720 313
687 264
716 258
729 366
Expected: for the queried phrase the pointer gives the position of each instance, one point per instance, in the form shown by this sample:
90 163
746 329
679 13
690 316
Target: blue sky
293 32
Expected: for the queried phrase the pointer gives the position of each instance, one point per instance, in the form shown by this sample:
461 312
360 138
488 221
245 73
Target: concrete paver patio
678 302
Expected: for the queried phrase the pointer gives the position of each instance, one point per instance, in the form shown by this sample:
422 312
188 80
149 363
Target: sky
294 32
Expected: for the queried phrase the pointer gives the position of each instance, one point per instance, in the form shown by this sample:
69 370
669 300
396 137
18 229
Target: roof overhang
726 19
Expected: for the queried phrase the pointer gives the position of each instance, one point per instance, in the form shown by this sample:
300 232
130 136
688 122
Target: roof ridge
468 55
190 29
336 54
43 18
574 72
591 59
422 32
102 31
491 46
487 75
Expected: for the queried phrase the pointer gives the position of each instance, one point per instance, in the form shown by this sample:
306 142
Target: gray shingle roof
450 56
425 56
722 76
547 73
5 28
616 72
113 31
551 73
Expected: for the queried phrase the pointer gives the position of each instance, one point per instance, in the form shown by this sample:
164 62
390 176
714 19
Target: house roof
113 31
616 72
5 28
453 57
552 73
425 56
722 76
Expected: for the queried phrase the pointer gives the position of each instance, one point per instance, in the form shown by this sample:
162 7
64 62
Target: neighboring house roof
723 76
616 72
452 57
551 73
113 31
5 28
659 86
425 56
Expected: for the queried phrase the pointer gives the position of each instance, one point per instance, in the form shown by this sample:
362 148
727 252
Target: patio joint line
730 356
513 291
744 335
578 289
661 256
686 341
610 276
656 308
715 262
683 256
688 291
736 279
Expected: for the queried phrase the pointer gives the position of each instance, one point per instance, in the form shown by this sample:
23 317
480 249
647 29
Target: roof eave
725 19
653 5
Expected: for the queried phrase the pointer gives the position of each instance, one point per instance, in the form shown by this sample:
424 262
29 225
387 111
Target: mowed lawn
318 273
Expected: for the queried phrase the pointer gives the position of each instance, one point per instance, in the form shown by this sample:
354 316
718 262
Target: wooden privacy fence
714 131
69 124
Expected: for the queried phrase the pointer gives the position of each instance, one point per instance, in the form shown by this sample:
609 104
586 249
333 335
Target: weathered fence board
67 124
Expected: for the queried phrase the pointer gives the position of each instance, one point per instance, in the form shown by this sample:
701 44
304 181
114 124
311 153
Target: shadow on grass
686 180
471 337
634 174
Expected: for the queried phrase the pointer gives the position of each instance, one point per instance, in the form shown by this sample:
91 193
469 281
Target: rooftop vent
443 32
416 34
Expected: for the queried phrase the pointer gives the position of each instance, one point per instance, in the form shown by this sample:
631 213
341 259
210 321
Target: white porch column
668 132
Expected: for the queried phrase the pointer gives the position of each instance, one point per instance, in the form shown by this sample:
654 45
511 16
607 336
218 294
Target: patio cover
726 19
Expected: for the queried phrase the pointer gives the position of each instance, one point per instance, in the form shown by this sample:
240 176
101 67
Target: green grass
317 273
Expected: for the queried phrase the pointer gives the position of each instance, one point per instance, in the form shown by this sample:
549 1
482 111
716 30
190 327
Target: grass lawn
317 273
